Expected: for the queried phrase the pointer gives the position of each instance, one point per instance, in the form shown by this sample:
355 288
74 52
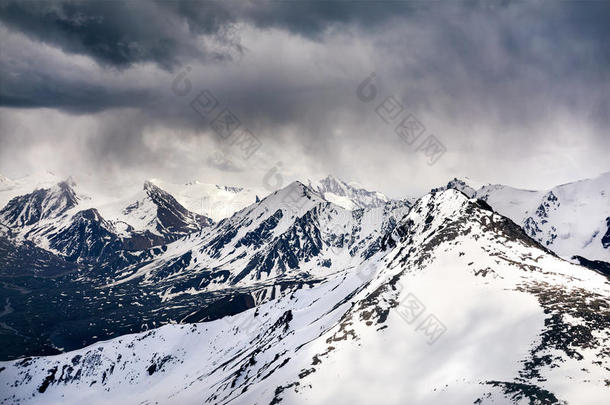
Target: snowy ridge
359 329
346 195
42 204
291 231
211 200
570 219
11 188
289 239
65 221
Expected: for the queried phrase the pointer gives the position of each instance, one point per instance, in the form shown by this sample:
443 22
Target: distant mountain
291 230
214 201
571 219
158 212
11 188
290 238
6 183
41 204
66 222
347 195
421 320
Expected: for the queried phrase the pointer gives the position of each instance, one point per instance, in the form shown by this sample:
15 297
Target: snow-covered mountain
76 226
571 219
456 305
40 205
211 200
11 188
291 231
156 211
348 196
290 238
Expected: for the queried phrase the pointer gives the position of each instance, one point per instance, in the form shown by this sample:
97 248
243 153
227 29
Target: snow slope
292 231
345 195
65 220
570 219
459 306
211 200
11 188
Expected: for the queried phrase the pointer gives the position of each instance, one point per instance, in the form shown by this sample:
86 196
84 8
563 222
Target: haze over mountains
281 293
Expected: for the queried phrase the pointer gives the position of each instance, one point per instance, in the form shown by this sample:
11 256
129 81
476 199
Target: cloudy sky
259 93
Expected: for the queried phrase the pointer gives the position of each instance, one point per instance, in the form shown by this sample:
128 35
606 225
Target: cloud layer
516 92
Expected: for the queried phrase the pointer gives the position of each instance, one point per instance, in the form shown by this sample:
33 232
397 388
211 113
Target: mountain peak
150 186
43 203
458 184
330 179
347 195
293 193
444 215
67 186
294 200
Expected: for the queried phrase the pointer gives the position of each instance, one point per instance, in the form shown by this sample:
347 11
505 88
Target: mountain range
480 295
572 219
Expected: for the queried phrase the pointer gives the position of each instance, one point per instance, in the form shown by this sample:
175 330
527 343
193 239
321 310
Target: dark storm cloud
114 33
122 33
289 71
42 89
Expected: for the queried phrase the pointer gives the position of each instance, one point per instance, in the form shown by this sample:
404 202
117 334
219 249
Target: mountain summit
347 195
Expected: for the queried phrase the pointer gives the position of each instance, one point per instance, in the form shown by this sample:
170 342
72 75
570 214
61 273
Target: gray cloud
123 33
501 84
114 33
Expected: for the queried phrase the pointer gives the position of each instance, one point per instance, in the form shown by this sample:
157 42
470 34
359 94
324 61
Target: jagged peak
67 186
441 198
298 187
333 180
92 216
64 189
446 203
347 195
294 196
334 184
443 212
149 185
42 203
461 184
157 194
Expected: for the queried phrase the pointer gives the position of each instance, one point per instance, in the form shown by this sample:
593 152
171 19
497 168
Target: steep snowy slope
460 306
347 195
570 219
156 211
293 230
42 204
11 188
289 239
72 224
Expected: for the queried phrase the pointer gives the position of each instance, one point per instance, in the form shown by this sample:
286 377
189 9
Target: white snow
332 344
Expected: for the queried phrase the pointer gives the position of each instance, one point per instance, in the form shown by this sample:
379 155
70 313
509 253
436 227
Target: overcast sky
514 93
